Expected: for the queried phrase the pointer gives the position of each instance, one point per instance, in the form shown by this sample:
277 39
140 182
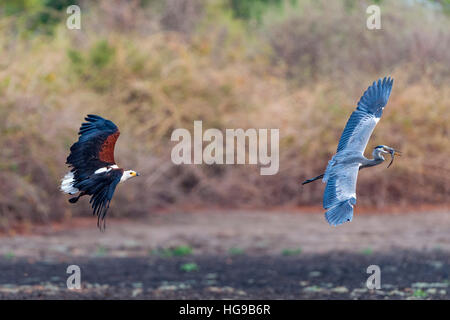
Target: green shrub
37 16
189 267
236 251
254 9
291 252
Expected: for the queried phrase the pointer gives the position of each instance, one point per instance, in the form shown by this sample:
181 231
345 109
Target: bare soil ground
233 255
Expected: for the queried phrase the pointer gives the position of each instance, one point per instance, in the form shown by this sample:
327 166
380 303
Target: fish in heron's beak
393 153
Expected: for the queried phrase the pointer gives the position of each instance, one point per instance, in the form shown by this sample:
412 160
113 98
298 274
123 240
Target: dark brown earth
234 255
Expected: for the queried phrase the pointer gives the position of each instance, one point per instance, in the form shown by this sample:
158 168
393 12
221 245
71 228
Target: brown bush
152 80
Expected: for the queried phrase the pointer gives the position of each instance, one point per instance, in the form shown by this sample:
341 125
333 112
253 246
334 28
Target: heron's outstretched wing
366 116
340 194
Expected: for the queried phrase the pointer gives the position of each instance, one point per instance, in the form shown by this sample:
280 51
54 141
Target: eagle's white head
127 174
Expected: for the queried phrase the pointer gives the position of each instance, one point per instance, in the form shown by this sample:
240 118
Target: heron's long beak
393 153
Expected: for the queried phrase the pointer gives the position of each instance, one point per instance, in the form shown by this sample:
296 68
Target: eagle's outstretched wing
94 148
340 192
101 187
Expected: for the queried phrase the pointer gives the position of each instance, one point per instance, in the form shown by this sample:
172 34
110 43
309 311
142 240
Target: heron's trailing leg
313 179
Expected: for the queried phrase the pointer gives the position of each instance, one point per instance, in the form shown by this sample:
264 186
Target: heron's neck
377 159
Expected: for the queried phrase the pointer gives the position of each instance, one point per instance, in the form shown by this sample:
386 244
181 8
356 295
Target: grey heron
342 170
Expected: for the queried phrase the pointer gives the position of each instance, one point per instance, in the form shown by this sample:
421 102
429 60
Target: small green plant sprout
189 267
9 255
178 251
419 293
101 251
367 251
291 252
236 251
183 250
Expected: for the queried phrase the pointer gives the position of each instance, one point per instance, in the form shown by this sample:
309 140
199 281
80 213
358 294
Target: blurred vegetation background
154 66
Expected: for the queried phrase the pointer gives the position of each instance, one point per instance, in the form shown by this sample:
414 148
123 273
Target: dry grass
154 71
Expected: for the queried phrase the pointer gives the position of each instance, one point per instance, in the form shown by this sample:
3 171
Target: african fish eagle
94 171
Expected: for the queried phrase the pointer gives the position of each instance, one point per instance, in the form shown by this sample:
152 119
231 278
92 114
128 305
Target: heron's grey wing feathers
376 96
357 131
340 193
363 120
341 184
340 213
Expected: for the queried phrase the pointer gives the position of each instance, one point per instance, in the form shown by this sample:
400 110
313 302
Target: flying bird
342 170
94 171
